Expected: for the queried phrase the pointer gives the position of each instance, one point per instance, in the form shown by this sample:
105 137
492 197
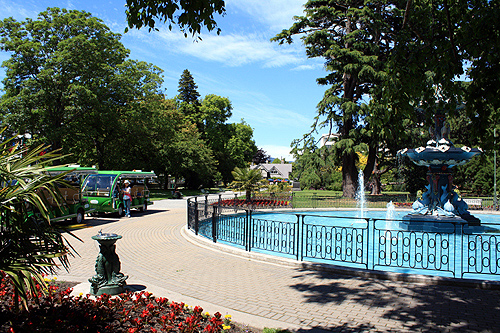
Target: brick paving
159 255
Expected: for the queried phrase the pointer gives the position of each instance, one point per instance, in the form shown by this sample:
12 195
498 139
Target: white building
268 170
328 139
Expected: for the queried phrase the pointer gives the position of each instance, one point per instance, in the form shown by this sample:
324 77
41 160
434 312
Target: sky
272 87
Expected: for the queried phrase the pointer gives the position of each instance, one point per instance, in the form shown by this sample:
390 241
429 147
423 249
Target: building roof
277 170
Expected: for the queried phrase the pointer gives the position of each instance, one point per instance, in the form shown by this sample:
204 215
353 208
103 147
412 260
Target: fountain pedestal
440 204
108 279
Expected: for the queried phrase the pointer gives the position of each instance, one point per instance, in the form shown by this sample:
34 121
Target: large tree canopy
355 39
386 59
60 64
69 84
190 16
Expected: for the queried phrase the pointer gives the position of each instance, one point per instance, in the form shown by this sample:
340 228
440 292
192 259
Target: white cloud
278 152
276 14
232 49
18 10
313 66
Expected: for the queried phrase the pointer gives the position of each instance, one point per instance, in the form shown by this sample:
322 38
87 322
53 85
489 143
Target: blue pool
373 242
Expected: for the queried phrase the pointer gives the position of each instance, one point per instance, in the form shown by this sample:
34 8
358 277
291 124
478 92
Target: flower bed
129 312
260 203
403 204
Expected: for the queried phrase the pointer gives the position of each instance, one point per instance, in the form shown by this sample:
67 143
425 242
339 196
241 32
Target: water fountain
360 195
390 211
440 203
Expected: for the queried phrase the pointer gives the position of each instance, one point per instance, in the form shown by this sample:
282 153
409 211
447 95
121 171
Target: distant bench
474 203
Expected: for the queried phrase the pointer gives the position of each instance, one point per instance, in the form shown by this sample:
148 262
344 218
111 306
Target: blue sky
272 87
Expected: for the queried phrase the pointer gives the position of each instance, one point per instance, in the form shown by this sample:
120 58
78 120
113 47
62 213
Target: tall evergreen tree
188 89
260 156
354 38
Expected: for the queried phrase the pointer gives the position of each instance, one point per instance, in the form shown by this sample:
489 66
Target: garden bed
129 312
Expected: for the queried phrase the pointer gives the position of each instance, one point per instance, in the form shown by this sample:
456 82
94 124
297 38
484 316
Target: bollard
108 279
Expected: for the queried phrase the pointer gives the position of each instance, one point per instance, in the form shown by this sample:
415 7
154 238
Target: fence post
206 205
459 239
196 217
370 237
215 220
247 230
300 237
188 211
250 230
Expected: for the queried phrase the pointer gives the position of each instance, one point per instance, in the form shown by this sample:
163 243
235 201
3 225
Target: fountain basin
431 223
440 156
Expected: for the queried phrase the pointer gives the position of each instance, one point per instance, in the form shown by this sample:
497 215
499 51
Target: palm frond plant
246 179
29 243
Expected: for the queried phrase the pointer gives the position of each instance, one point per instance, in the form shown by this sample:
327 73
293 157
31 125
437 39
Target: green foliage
188 90
70 85
316 168
355 40
310 179
67 100
476 177
413 176
231 144
191 16
29 242
393 65
241 147
181 151
279 187
260 157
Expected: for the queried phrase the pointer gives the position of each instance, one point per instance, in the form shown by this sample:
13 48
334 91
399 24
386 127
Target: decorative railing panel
274 236
482 254
414 250
336 243
232 229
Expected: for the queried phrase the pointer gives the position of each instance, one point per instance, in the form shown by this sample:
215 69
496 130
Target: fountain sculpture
440 203
108 279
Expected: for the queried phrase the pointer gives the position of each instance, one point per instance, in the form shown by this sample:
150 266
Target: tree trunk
371 163
349 176
376 185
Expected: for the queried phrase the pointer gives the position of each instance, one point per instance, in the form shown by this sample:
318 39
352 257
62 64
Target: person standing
127 197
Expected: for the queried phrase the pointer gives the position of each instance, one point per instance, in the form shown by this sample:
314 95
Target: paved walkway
161 256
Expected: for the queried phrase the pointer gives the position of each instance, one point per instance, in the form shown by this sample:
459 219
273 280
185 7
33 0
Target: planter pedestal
108 279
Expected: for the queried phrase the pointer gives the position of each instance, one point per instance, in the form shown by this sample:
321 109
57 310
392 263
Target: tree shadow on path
415 306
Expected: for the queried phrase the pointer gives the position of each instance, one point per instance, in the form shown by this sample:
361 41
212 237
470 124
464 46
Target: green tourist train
72 203
104 190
